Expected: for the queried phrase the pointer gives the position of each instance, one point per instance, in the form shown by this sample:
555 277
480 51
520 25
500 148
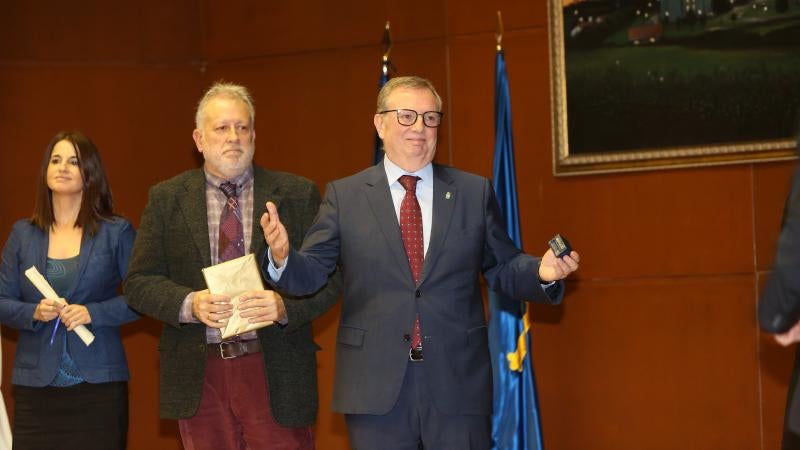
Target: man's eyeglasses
408 117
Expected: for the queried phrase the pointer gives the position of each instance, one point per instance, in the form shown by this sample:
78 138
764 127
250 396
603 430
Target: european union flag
515 425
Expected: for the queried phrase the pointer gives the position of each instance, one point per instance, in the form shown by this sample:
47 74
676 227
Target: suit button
406 338
418 294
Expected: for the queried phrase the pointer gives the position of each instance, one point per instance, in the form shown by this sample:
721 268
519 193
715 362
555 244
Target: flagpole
499 34
387 42
382 79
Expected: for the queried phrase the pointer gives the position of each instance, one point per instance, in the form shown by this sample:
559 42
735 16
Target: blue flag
515 425
381 81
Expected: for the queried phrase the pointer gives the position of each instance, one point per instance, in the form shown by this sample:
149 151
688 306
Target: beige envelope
233 278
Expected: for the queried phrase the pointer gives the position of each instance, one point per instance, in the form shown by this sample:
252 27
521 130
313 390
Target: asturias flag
515 425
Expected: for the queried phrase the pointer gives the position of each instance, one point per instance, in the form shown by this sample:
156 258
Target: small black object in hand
560 246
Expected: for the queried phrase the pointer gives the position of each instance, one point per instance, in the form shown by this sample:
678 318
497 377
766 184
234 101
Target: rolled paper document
47 291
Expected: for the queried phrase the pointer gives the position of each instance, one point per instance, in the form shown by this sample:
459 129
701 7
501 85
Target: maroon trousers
234 412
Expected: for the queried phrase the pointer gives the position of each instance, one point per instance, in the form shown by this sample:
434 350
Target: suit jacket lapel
41 244
195 213
87 246
264 190
380 201
444 201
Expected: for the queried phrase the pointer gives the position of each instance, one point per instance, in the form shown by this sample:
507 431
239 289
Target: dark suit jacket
170 251
103 262
357 227
779 306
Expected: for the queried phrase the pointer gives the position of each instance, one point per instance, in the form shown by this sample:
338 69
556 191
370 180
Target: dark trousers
81 417
791 421
414 423
234 411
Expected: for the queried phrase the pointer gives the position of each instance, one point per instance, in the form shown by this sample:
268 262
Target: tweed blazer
171 249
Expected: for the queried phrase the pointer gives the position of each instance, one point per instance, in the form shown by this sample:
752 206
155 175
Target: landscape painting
645 84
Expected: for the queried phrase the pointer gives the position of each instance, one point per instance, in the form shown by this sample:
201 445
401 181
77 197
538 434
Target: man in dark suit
779 306
411 238
259 390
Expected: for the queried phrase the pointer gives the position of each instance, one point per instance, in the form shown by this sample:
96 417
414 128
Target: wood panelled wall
656 345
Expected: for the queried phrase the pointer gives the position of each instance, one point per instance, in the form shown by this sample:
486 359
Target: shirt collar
239 181
393 172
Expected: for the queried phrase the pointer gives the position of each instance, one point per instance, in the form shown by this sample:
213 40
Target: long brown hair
96 203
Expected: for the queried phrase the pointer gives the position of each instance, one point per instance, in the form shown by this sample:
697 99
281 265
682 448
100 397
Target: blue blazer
103 264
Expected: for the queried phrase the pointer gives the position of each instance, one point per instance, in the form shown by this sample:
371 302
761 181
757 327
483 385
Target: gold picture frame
639 152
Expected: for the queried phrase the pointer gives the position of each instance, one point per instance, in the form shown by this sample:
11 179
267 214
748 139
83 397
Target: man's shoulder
457 175
178 181
375 174
370 174
278 178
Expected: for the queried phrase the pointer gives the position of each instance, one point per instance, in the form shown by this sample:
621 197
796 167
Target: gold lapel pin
447 195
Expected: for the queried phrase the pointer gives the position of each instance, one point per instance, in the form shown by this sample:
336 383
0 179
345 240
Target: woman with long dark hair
69 395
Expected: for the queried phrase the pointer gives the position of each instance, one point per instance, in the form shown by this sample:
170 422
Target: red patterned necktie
231 231
411 231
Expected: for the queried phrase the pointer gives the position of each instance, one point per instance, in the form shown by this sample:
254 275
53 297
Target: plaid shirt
215 201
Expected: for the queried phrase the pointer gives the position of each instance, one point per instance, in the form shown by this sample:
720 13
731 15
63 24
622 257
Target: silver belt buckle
222 347
415 354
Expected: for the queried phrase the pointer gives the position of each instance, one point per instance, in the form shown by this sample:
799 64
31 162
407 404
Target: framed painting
652 84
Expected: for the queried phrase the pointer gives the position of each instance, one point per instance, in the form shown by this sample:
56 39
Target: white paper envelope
233 278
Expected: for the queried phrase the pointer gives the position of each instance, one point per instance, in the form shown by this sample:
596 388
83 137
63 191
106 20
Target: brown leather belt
233 349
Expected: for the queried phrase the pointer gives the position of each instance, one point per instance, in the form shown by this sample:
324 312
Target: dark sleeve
114 311
147 285
505 267
309 269
14 311
302 310
779 305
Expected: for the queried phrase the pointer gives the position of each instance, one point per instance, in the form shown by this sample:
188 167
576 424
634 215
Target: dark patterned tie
411 231
231 231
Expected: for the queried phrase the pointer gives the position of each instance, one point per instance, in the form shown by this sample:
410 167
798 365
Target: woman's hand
74 315
47 310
